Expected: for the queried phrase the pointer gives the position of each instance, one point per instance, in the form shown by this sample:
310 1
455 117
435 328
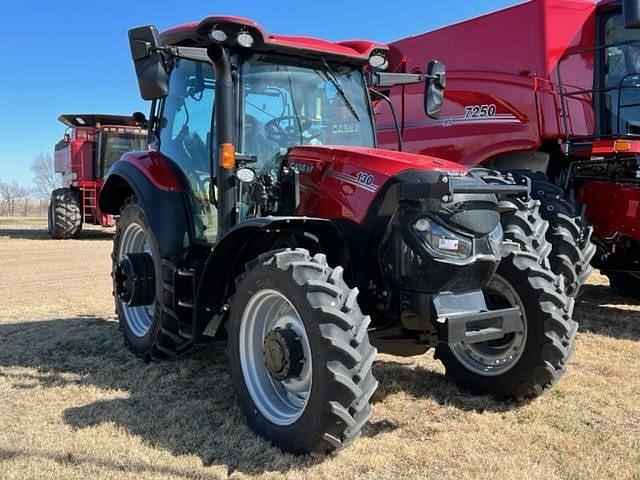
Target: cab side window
186 135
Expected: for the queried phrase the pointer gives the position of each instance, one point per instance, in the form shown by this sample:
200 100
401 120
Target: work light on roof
378 60
217 35
244 39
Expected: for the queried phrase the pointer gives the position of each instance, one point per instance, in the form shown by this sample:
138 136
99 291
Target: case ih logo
302 167
363 180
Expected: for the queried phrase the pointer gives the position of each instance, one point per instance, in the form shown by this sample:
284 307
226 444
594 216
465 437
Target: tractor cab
268 94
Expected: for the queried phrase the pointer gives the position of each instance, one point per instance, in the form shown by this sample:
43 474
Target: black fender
162 198
248 240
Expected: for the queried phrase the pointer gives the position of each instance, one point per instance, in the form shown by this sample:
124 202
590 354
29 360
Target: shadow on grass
188 406
42 234
73 460
604 311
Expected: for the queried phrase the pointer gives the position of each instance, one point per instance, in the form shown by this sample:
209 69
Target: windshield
622 76
289 101
114 145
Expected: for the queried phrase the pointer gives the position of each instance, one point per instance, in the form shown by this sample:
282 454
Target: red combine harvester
83 157
266 217
549 90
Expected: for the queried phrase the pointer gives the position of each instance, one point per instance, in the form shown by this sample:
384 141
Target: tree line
17 199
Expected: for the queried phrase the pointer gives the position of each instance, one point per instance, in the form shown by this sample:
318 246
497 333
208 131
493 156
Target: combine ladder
89 205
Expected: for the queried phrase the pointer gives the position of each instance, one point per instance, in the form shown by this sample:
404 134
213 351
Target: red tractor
546 90
91 144
265 217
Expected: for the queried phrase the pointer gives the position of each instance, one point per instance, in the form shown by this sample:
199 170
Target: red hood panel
343 181
385 162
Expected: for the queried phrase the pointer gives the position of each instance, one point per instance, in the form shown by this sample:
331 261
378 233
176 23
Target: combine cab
84 155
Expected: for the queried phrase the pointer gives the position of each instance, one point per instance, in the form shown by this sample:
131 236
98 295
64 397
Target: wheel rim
495 357
280 402
134 240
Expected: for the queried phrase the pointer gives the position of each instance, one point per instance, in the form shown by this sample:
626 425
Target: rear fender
161 193
247 241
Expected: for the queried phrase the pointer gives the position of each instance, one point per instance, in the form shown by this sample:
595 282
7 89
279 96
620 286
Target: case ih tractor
549 90
265 217
83 157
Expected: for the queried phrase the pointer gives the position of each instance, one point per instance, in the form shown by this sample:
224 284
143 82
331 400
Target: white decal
363 180
448 244
480 111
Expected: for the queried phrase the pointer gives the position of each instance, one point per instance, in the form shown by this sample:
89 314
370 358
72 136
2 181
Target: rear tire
152 332
65 213
501 368
323 407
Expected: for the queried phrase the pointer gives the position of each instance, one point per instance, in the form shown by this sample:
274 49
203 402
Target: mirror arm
189 53
395 79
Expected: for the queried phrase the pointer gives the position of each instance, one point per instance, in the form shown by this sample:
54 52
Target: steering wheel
277 133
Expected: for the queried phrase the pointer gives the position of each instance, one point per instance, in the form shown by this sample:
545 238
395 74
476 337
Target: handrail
577 92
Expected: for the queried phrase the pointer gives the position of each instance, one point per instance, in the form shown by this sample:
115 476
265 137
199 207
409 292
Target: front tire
300 354
65 214
520 365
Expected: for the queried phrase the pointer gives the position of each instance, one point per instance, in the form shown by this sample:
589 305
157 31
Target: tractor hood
385 162
344 181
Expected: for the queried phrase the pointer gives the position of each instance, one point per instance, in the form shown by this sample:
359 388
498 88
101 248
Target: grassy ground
75 404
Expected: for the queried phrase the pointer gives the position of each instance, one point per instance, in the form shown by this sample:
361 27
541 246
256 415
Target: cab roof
91 120
197 34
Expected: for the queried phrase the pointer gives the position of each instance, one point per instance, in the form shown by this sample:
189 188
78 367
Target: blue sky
73 57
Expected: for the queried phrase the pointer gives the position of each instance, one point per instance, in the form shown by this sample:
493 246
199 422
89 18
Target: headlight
441 242
495 241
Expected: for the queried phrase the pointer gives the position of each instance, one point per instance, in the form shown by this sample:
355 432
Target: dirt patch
76 404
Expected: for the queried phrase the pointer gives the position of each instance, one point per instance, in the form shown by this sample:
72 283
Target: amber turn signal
227 156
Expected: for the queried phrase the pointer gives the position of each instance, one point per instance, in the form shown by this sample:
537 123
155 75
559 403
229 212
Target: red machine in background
92 143
549 90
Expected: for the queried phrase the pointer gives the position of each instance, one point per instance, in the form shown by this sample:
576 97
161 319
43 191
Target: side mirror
140 118
153 79
434 89
631 9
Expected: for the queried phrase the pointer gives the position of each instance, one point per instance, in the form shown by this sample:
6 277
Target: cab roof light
217 34
244 39
378 60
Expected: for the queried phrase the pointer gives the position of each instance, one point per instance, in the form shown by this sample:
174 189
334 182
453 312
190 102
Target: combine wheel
65 213
569 232
299 352
521 220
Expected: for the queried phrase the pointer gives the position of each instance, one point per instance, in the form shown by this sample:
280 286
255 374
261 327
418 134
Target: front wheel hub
283 354
135 279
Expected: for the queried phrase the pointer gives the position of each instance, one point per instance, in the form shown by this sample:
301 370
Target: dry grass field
75 404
